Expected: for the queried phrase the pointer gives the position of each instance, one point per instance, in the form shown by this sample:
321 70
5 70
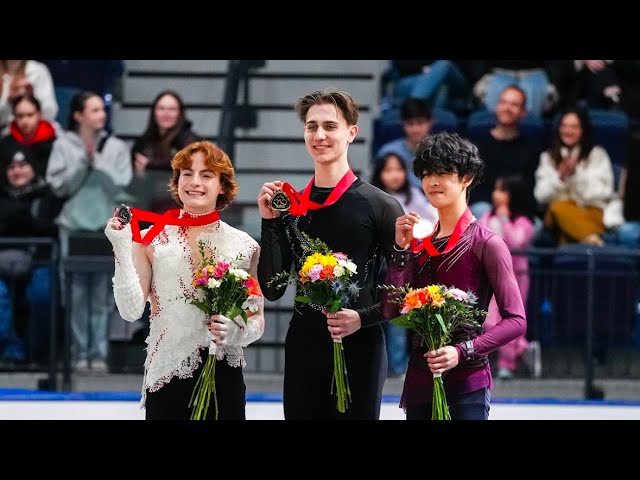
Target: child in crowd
392 176
512 218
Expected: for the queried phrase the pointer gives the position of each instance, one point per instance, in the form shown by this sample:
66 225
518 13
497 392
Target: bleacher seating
615 296
70 76
612 130
64 95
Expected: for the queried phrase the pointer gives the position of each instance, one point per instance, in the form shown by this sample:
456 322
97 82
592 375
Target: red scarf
170 217
44 131
301 204
426 244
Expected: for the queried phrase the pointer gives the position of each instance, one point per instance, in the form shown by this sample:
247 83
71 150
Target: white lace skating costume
177 329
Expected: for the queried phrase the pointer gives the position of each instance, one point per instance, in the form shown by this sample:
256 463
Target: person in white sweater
575 181
18 77
90 169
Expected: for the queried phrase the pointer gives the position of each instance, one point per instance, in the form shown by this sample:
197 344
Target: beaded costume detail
177 329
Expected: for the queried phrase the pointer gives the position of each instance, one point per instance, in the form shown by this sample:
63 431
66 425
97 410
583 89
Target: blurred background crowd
560 140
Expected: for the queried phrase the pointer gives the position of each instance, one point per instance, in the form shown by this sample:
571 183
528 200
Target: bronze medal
124 213
280 201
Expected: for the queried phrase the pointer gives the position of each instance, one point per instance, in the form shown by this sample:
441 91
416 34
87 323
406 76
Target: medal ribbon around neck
170 217
463 222
300 202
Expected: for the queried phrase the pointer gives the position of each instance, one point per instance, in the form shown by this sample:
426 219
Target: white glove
236 333
126 282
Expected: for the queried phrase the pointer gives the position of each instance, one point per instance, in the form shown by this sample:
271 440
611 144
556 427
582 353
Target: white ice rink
26 406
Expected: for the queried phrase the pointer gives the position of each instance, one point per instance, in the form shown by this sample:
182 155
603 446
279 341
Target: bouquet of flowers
324 282
224 290
434 312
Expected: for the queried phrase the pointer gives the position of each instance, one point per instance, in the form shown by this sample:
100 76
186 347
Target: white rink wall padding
19 404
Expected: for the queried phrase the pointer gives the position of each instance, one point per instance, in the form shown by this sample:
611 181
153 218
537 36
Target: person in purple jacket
459 253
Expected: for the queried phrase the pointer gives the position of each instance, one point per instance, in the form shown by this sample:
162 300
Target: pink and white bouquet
222 289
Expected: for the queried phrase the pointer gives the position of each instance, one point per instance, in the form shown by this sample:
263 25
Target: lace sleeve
255 323
132 271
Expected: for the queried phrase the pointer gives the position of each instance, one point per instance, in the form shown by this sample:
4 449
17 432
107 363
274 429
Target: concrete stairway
275 148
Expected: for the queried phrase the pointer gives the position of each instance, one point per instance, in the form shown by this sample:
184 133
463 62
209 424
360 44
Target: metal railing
52 261
584 300
71 265
583 308
232 114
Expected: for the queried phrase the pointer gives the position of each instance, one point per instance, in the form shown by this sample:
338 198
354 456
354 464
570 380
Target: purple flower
314 272
458 294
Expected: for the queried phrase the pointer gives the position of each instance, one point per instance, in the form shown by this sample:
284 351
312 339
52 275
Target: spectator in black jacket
28 132
168 131
505 151
27 209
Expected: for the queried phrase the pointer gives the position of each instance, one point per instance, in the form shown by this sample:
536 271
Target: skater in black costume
353 217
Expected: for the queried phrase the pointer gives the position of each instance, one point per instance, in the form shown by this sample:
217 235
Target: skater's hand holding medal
277 197
411 226
272 200
121 217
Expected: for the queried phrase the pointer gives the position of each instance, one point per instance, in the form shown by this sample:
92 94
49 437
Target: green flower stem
440 410
343 392
205 387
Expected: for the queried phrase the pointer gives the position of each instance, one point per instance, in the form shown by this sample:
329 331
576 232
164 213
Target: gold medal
280 201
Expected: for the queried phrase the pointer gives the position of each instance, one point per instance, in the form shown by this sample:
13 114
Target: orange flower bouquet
434 312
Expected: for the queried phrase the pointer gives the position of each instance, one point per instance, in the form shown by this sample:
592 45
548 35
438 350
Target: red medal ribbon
300 202
463 222
170 217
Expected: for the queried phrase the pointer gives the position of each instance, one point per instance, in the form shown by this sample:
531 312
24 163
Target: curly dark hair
445 152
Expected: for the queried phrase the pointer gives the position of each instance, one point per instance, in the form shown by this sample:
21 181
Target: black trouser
468 406
171 402
309 370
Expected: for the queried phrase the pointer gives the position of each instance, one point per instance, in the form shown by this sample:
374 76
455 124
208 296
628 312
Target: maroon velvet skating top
480 262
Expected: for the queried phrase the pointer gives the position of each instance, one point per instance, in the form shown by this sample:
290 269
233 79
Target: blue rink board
19 394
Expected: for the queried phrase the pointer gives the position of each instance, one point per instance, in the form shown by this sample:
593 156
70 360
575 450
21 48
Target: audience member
532 76
504 150
628 233
27 209
440 82
391 176
574 180
416 119
28 131
20 77
511 217
628 73
90 169
587 83
168 131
